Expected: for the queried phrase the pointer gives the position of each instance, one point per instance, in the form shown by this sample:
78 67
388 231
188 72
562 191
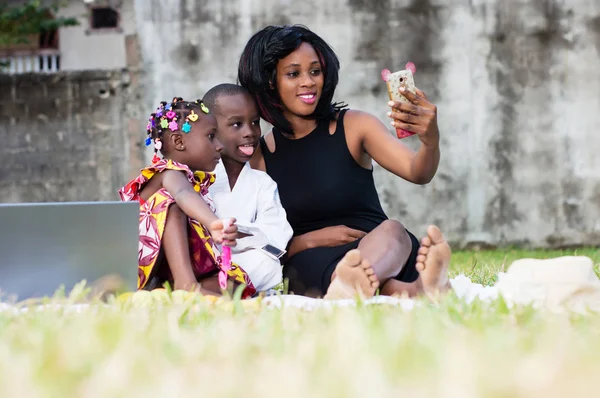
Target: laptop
46 245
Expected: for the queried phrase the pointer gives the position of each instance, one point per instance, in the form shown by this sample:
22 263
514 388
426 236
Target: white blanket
556 284
462 286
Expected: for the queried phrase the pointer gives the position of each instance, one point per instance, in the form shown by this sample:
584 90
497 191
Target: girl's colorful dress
206 258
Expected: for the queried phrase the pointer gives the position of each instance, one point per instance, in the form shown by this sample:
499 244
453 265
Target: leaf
18 22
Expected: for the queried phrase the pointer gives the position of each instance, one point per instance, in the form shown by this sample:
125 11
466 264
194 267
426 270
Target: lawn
483 266
197 348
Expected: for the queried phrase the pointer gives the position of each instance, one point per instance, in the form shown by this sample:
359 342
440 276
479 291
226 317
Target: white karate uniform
255 204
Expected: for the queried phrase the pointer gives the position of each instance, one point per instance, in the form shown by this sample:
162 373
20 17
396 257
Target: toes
434 234
369 271
373 278
420 267
426 241
365 264
423 250
421 258
352 258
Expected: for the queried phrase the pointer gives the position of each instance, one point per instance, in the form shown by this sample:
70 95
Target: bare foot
353 275
432 262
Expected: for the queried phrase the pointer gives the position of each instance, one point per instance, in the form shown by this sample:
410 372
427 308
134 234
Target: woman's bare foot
432 262
353 275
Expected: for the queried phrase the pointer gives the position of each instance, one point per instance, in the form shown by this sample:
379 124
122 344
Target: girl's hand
226 236
420 116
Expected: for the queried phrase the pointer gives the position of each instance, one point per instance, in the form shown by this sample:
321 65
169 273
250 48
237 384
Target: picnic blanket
558 284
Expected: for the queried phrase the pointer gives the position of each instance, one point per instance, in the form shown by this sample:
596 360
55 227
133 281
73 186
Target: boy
249 195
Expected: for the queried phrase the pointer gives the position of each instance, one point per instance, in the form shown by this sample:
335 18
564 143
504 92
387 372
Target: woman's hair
171 117
257 71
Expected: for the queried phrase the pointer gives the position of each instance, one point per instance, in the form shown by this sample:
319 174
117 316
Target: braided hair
170 117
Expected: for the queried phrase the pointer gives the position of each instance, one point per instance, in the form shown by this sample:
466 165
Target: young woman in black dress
320 155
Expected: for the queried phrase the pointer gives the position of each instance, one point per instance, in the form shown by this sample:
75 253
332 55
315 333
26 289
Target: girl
178 227
320 155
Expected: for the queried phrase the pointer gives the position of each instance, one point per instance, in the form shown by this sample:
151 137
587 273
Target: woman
320 155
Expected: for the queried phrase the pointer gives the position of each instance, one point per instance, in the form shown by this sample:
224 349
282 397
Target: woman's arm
419 117
325 237
297 244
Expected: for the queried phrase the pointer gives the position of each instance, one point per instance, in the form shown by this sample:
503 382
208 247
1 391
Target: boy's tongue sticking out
238 123
247 150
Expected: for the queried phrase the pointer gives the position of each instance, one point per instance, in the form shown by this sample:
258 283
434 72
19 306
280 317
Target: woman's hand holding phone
412 113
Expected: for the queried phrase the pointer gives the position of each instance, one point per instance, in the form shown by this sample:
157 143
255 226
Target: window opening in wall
48 39
104 18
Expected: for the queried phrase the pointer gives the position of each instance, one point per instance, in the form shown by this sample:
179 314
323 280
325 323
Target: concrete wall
85 49
516 83
67 137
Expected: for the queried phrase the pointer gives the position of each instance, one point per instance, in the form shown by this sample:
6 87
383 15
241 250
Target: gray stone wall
517 84
67 137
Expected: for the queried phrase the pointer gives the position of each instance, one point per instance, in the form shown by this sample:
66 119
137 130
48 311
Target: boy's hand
226 236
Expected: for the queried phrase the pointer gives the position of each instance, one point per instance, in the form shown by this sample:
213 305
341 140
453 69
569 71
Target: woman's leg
387 249
432 264
381 255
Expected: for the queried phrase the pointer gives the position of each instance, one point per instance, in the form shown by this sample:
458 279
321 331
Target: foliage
18 22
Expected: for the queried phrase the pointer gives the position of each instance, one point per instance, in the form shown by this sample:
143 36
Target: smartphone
394 81
273 251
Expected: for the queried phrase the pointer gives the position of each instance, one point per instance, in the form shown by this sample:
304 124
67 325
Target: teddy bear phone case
394 81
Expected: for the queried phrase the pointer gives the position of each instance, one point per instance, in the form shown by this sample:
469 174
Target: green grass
483 266
230 349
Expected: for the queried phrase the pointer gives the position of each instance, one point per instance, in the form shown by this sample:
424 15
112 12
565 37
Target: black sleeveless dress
321 185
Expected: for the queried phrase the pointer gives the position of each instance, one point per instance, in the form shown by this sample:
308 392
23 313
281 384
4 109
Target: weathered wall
516 83
85 49
67 137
